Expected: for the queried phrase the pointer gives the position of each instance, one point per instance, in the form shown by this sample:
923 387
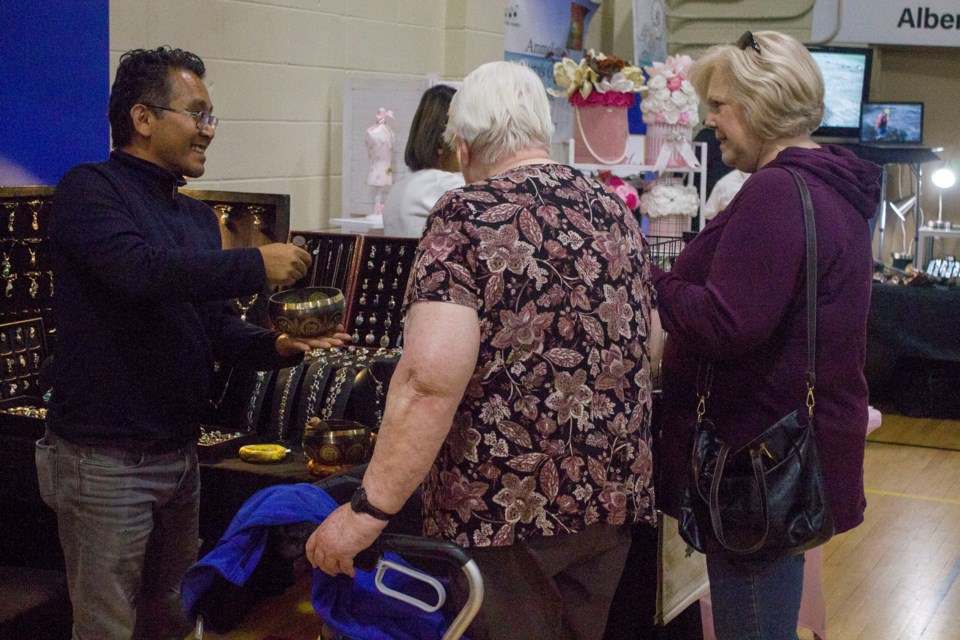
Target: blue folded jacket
350 606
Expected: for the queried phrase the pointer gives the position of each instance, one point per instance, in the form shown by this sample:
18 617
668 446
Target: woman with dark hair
433 165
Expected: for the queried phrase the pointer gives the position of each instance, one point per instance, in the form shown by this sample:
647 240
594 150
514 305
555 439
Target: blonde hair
778 91
501 109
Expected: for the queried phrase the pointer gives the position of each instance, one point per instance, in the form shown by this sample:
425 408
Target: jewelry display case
28 285
26 276
372 272
23 351
244 405
345 383
238 394
248 220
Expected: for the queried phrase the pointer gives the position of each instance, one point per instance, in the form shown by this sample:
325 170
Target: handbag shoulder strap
810 232
811 238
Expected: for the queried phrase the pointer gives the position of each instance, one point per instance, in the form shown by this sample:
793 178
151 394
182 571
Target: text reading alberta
926 19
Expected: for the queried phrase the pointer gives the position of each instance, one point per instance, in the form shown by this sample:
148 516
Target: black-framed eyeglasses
747 40
203 119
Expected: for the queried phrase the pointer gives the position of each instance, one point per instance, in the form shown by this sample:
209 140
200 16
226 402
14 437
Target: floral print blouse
553 431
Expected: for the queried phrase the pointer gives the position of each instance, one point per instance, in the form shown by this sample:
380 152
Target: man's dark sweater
142 306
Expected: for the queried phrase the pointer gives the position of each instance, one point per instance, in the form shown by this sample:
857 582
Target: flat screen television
846 83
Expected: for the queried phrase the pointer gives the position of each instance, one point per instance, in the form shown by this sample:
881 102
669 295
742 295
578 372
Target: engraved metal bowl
310 312
330 443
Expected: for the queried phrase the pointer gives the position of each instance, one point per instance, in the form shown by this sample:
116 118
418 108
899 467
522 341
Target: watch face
359 504
357 500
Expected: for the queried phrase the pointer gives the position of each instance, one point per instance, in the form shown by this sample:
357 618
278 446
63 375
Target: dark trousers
550 588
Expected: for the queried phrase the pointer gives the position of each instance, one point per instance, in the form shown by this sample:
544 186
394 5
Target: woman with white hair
521 401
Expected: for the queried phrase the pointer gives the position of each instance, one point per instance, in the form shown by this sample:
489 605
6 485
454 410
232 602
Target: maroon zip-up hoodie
736 296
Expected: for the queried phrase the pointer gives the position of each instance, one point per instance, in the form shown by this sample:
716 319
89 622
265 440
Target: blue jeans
755 598
128 525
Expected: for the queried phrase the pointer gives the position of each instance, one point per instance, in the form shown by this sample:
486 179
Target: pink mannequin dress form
380 141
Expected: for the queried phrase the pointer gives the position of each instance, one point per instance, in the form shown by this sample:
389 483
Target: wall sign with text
930 23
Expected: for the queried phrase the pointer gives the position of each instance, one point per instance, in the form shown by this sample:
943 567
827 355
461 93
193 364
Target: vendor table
226 485
913 349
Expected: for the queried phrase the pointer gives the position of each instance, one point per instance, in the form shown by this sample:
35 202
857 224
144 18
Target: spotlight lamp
944 178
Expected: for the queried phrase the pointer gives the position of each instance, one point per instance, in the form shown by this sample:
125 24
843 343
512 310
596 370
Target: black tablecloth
913 350
915 322
226 485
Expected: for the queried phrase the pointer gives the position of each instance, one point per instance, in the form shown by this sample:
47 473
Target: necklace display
339 392
255 402
314 386
34 206
332 259
244 307
223 212
287 386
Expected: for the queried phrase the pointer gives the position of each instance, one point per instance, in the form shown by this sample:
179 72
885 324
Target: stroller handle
426 548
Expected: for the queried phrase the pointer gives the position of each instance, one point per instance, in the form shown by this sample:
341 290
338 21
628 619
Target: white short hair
501 109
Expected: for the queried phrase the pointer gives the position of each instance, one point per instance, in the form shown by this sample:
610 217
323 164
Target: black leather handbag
769 494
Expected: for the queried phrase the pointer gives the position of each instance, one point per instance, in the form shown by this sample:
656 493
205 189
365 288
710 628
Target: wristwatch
359 504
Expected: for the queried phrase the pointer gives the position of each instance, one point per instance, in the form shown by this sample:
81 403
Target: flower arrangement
597 80
670 98
669 200
626 191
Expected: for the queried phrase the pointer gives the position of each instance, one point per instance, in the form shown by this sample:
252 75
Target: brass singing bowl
310 312
337 442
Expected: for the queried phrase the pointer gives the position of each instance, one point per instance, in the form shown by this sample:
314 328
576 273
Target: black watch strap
360 504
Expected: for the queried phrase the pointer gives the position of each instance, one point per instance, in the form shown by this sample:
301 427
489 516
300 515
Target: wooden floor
896 577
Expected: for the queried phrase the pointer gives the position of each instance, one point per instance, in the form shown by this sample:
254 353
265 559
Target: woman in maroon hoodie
736 297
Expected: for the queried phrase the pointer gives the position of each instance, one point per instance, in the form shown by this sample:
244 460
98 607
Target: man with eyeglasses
143 307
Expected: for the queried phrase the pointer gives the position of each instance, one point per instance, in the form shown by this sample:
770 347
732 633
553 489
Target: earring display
22 352
35 206
384 268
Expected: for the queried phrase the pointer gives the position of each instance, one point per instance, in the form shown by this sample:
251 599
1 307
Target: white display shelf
925 233
359 225
629 169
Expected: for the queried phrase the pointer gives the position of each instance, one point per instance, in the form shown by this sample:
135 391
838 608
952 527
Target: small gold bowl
310 312
329 443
